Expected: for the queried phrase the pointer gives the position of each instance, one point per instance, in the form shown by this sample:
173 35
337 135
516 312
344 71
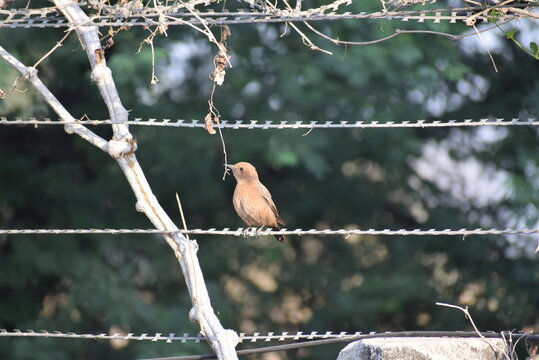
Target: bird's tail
279 237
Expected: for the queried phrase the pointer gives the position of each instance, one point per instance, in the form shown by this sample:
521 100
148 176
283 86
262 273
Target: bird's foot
246 231
258 231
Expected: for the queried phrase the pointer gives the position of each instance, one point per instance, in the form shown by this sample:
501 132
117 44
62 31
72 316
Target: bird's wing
264 192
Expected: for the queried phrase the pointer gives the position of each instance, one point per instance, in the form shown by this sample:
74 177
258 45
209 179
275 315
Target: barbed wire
171 337
156 17
250 232
255 337
136 10
269 124
508 338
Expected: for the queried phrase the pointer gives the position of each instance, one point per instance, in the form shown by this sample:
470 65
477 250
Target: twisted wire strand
256 337
154 17
171 337
250 232
281 125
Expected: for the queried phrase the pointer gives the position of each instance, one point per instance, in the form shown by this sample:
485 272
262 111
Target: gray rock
432 348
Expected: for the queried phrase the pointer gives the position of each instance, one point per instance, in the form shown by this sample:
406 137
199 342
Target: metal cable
280 125
506 335
250 232
256 337
58 334
153 17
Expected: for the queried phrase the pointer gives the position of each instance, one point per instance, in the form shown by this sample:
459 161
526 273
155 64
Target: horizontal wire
271 336
134 17
255 337
57 334
268 124
109 12
505 335
119 11
250 232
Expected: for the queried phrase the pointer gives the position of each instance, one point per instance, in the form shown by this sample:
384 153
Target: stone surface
431 348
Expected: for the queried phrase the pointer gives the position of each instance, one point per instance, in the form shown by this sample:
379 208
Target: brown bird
252 200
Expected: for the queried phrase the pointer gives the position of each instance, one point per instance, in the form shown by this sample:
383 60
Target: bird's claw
258 232
250 231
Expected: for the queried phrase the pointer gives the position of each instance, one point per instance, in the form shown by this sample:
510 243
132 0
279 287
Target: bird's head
243 171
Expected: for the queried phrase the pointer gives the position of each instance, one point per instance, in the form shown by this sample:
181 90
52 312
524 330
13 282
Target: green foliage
327 178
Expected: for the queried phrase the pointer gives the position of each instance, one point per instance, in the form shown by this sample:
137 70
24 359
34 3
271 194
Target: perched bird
252 200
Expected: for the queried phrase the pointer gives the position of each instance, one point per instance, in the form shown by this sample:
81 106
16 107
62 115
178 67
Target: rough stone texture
435 348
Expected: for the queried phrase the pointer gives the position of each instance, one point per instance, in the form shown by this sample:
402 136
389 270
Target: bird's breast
252 208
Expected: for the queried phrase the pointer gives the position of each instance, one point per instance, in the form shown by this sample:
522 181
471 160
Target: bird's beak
229 166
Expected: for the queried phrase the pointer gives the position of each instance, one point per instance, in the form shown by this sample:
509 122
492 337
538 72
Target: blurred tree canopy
373 178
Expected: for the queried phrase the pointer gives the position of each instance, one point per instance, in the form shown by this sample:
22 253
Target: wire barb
255 337
298 232
281 125
50 17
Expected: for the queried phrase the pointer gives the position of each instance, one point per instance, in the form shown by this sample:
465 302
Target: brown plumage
252 200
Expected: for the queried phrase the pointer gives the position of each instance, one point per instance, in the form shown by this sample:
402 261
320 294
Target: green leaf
511 34
534 48
493 16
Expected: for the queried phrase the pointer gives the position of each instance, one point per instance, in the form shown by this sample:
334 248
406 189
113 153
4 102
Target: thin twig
473 18
469 317
190 251
396 33
304 37
473 2
154 80
466 313
181 214
307 41
208 33
13 87
483 43
30 74
217 117
524 12
58 44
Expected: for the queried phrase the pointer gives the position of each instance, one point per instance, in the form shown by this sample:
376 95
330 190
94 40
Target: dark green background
327 179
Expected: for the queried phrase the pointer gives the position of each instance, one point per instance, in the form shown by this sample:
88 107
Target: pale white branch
122 148
101 74
30 74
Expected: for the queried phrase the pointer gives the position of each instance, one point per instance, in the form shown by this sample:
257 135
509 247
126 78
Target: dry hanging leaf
208 124
219 62
225 32
221 59
108 44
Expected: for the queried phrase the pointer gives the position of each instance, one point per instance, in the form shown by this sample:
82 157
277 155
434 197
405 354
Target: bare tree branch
30 74
101 74
524 12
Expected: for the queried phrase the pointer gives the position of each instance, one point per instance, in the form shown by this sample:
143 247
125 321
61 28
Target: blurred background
341 178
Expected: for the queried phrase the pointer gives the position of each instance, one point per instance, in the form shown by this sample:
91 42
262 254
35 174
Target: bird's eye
241 169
